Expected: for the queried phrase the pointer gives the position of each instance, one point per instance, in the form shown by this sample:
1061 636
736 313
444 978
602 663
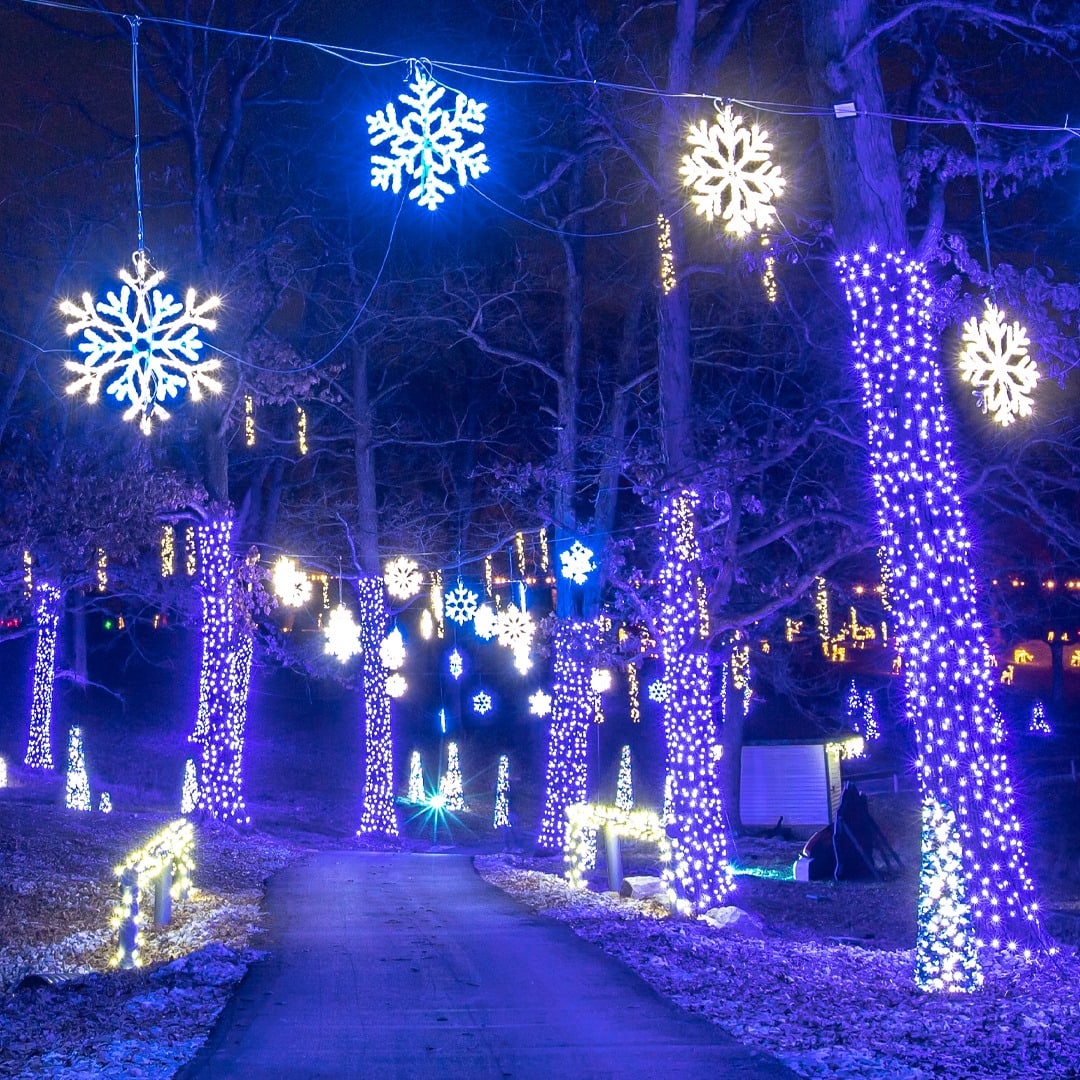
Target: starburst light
996 363
342 634
427 142
141 345
577 563
291 585
403 578
730 173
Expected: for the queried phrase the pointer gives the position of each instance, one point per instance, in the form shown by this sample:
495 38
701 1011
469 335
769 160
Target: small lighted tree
77 786
501 819
1039 724
415 791
871 725
624 787
450 787
189 793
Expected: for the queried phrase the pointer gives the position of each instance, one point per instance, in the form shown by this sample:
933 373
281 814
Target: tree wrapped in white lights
224 678
624 786
699 874
946 957
949 684
573 646
39 746
77 783
377 810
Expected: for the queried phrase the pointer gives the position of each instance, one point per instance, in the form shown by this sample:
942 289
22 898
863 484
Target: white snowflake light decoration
396 685
342 634
523 661
995 361
514 628
403 578
577 563
456 664
659 691
141 345
485 622
392 650
427 142
291 585
481 703
730 174
460 604
540 703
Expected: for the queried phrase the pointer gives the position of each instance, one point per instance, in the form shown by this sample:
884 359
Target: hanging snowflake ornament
485 622
396 685
342 634
996 363
730 173
481 703
141 345
523 661
392 650
514 628
456 664
460 604
600 680
291 585
540 703
427 142
403 578
659 691
577 563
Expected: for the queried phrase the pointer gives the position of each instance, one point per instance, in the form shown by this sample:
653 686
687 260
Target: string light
668 280
168 551
438 604
633 686
489 577
301 431
545 552
501 817
102 574
949 687
249 421
377 810
170 851
28 576
871 728
698 874
573 644
191 558
1038 724
39 747
519 553
77 783
821 609
768 274
583 821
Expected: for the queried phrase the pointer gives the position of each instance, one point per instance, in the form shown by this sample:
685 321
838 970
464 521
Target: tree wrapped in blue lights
949 684
574 642
699 872
377 816
39 745
223 681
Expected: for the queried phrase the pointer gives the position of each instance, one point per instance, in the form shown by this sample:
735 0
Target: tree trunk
78 634
367 511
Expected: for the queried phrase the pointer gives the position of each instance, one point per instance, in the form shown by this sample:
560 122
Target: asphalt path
412 966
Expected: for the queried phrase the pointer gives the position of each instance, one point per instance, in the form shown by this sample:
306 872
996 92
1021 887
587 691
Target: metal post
129 928
613 848
895 784
1072 769
163 895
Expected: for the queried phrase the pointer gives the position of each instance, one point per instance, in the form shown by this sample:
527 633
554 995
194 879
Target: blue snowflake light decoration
481 703
427 142
141 345
456 664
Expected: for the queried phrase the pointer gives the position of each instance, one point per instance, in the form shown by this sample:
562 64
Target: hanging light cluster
501 817
624 785
949 685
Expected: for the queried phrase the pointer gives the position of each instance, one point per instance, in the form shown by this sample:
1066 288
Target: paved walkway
412 966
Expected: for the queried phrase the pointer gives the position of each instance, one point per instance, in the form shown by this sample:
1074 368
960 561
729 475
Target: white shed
796 780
